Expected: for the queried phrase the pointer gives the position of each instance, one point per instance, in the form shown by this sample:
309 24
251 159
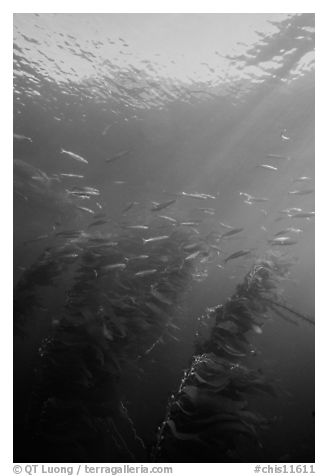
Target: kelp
110 320
107 321
210 417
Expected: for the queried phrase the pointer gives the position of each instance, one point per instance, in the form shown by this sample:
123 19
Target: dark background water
77 87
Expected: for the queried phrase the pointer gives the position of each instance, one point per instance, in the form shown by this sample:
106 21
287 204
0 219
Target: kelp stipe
209 418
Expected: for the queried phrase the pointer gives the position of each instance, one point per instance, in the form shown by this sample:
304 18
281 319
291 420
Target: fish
283 240
74 156
70 233
85 209
38 238
251 199
173 220
237 254
278 156
70 256
192 247
160 206
199 277
117 156
99 205
257 329
110 267
73 175
119 182
139 257
160 297
98 223
146 272
207 195
189 223
109 126
234 231
155 309
288 230
129 206
21 137
79 195
192 256
155 238
100 246
268 167
201 196
301 192
137 227
283 136
302 179
207 210
290 211
90 191
225 225
303 215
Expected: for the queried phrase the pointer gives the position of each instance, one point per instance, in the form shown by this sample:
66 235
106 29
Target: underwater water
157 159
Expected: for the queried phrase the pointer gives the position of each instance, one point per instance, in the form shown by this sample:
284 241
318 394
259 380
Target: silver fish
117 156
139 257
189 223
278 156
234 231
207 209
237 254
302 179
192 256
129 206
138 227
74 156
73 175
159 296
283 136
111 267
303 215
89 190
225 225
283 240
192 247
173 220
85 209
201 196
301 192
98 223
290 211
160 206
38 238
146 272
21 137
155 238
288 230
268 167
251 199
